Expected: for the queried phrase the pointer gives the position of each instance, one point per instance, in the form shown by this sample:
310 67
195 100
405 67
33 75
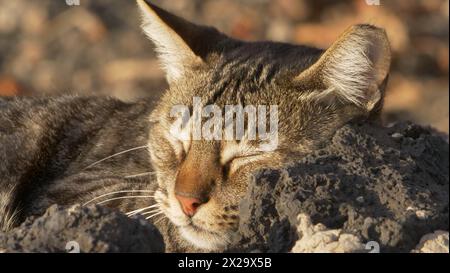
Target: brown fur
315 95
48 146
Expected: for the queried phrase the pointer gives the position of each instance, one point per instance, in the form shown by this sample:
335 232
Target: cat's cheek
166 180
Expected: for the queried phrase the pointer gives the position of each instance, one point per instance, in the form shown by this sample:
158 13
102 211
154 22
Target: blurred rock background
96 48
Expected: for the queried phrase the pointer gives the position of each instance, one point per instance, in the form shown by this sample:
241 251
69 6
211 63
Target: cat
94 150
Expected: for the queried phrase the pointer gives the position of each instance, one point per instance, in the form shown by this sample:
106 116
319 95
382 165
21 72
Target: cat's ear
353 69
180 44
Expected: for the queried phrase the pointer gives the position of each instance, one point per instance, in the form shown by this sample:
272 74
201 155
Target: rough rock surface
318 239
83 229
388 185
436 242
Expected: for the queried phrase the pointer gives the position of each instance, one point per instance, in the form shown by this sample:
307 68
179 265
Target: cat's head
313 92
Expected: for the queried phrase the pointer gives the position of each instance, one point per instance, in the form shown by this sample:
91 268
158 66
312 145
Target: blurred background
96 48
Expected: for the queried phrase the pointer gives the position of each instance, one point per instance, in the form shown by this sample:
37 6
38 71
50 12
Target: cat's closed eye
237 161
242 157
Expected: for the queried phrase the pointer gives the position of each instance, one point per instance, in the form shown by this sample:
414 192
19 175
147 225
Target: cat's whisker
152 211
153 215
141 209
126 197
139 174
116 192
116 154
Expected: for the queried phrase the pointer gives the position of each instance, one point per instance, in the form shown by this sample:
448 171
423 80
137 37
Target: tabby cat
94 150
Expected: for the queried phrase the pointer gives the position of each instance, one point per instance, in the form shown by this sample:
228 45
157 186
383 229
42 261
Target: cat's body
72 150
49 142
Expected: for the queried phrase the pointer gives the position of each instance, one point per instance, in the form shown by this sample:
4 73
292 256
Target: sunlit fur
316 92
70 149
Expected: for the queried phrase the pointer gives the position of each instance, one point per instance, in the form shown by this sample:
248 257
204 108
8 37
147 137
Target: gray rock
82 229
318 239
392 175
436 242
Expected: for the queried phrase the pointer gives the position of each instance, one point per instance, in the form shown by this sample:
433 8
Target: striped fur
69 150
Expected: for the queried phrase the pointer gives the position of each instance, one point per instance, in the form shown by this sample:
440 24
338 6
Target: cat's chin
204 239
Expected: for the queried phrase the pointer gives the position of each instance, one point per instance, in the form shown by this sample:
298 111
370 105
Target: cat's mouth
193 230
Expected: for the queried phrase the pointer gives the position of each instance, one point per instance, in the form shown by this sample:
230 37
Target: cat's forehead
279 56
252 67
247 71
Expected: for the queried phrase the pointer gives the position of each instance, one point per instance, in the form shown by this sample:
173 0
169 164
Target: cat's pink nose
189 204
